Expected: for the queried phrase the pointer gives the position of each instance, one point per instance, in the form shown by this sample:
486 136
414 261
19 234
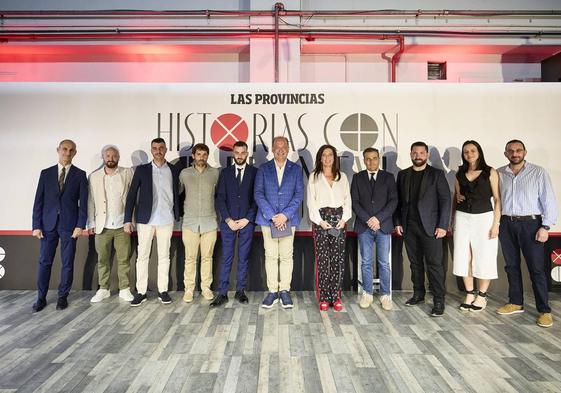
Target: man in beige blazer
108 188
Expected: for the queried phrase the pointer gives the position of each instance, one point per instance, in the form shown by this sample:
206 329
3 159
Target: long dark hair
481 165
319 167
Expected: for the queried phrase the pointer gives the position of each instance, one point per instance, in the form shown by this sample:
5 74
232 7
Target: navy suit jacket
272 199
381 203
434 200
69 206
140 194
233 200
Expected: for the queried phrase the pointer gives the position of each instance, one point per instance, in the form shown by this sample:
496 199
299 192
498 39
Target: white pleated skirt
475 254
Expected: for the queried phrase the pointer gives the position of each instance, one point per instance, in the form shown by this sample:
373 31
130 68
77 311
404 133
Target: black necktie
372 180
239 176
61 178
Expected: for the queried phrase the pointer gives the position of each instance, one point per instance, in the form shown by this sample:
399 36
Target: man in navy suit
374 196
154 198
237 208
279 191
60 212
422 217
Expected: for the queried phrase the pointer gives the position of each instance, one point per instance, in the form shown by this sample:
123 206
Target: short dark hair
515 141
158 140
370 150
239 144
419 144
200 146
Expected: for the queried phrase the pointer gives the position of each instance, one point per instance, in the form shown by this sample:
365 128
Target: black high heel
466 306
475 308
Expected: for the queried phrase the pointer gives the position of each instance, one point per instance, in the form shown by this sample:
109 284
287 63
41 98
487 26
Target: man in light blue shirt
529 209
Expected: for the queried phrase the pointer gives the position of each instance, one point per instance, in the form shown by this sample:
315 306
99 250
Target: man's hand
279 219
38 233
233 225
373 223
76 233
399 230
128 227
242 223
542 235
440 233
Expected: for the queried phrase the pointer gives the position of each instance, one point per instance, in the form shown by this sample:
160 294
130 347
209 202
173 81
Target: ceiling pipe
278 8
396 57
63 14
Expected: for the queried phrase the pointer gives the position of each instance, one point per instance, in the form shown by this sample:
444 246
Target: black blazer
233 200
434 200
381 203
140 194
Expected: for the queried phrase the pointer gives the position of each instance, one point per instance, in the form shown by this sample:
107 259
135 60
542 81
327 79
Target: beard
239 161
516 160
419 163
111 164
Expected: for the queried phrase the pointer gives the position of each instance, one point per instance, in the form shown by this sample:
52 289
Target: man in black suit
374 196
422 217
154 198
237 208
60 211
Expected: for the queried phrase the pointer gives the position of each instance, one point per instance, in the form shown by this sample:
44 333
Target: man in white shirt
153 196
108 189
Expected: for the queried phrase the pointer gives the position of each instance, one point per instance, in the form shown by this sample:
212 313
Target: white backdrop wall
36 116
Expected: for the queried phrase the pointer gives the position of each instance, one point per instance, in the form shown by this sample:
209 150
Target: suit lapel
407 181
423 187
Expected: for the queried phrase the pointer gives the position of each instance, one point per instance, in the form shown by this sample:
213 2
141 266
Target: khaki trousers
276 250
104 243
192 241
163 240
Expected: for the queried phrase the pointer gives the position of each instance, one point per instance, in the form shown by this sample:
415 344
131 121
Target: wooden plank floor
111 347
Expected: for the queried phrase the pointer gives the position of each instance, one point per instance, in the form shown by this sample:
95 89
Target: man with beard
237 208
154 198
59 213
529 209
199 220
422 217
109 186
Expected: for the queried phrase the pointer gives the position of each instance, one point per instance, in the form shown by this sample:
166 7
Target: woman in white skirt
476 225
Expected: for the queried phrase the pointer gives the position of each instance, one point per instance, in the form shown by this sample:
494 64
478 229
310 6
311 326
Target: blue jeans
366 242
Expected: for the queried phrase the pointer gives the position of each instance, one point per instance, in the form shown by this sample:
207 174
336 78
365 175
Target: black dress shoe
61 303
39 305
438 309
416 299
242 298
219 300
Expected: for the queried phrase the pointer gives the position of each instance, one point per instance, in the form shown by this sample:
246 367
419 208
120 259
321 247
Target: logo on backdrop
227 129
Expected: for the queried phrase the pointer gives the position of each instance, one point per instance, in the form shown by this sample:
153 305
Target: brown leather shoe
545 320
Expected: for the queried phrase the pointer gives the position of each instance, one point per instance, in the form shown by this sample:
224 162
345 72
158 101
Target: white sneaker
366 300
126 295
386 301
100 295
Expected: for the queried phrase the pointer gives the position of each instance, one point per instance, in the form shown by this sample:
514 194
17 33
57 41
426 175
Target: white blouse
321 194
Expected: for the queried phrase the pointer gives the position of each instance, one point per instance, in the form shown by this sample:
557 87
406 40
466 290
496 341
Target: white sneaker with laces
126 295
386 301
100 295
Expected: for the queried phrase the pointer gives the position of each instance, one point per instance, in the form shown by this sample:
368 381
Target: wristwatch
546 227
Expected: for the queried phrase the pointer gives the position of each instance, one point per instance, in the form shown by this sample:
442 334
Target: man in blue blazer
237 208
423 217
279 191
60 211
154 198
374 196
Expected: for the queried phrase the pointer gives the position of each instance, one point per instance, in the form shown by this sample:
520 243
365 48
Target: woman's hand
341 224
324 225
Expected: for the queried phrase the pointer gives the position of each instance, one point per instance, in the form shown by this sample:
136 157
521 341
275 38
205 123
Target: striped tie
61 178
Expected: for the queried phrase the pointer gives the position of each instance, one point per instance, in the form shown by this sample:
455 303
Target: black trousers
514 237
423 249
